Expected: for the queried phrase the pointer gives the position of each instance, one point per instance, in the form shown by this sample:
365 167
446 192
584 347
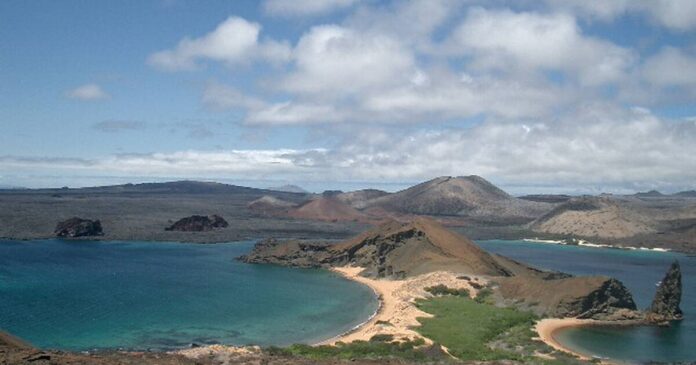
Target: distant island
468 204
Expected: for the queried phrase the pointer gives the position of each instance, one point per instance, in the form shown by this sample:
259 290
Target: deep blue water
639 271
137 295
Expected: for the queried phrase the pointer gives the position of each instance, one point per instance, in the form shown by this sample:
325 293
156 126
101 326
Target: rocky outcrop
198 223
665 305
288 253
78 227
596 297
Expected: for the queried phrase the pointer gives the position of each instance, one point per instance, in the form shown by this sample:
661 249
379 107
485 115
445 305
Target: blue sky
559 96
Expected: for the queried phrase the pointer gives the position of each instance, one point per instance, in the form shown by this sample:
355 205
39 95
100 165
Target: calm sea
639 271
138 295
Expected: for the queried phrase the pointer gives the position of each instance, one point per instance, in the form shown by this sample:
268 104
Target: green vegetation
471 330
474 330
439 290
466 327
484 296
379 347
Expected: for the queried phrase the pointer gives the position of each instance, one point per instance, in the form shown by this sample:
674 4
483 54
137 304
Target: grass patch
466 327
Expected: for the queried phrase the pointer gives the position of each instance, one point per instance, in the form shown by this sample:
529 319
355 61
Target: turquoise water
138 295
639 271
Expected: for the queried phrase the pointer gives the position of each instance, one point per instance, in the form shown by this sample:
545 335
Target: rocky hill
603 217
270 206
597 297
396 250
470 196
393 249
359 199
326 208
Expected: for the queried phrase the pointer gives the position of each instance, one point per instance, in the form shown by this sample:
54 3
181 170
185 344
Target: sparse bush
439 290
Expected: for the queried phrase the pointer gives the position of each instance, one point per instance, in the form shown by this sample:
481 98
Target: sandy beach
397 313
548 326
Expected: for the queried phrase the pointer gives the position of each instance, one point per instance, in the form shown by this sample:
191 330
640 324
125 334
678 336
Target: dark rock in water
289 253
198 223
78 227
665 305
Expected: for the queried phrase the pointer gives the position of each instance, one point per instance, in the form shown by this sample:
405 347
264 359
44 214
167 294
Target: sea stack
198 223
78 227
665 305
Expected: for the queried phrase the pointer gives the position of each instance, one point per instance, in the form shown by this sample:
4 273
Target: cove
84 295
639 271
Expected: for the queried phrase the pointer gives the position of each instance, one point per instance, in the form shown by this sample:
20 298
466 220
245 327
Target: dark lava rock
198 223
78 227
665 305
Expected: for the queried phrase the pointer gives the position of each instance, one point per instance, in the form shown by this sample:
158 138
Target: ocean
81 295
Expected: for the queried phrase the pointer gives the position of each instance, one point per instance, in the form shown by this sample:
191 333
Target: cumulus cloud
333 60
234 41
305 7
670 67
88 92
506 40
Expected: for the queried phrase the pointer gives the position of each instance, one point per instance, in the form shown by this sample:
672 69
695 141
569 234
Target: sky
555 96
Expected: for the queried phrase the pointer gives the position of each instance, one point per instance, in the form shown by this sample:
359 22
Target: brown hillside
602 217
326 208
470 196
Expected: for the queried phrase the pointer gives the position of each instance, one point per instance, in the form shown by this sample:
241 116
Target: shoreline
380 307
585 243
548 328
397 314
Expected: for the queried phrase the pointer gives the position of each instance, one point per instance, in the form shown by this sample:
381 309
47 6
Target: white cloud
505 40
594 146
670 67
235 40
446 95
88 92
337 61
305 7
